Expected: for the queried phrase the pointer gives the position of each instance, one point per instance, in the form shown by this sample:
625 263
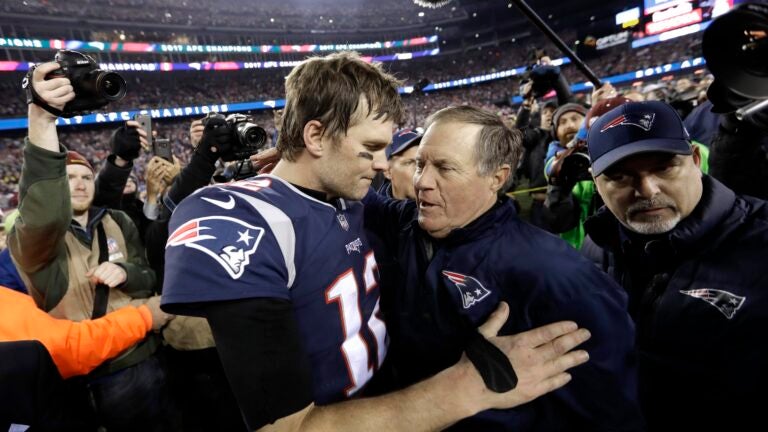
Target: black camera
735 46
246 138
94 88
543 77
571 166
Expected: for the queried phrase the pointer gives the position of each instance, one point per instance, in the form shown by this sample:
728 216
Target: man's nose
647 187
380 161
423 180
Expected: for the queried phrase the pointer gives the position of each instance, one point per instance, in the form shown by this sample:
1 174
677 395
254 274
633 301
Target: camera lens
110 86
253 135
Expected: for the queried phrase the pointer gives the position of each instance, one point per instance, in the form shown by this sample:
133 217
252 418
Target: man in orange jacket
75 348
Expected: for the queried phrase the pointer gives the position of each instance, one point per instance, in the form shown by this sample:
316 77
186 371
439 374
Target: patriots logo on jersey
229 241
470 289
728 304
643 121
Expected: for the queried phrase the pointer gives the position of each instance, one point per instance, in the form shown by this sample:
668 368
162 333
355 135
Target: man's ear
313 137
500 177
696 155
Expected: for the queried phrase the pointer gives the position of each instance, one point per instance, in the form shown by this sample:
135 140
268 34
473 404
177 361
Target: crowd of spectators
153 89
93 142
264 14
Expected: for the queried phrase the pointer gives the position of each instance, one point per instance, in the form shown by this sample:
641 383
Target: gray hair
497 144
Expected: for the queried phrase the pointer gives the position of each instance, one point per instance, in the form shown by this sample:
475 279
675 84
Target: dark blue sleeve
221 248
385 216
9 275
603 391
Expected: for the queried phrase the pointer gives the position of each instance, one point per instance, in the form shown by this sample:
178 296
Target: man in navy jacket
691 254
461 250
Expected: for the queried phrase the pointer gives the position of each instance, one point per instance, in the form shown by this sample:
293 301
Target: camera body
94 88
543 77
235 171
735 47
246 138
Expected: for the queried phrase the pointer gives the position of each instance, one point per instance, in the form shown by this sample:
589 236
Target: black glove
216 139
125 143
491 363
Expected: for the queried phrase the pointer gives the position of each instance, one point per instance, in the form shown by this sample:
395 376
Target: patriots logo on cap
727 303
470 289
229 241
643 121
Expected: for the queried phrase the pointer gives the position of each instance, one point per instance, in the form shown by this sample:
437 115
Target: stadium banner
160 47
10 66
669 35
201 110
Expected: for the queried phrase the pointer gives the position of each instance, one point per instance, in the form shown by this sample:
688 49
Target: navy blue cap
402 140
634 128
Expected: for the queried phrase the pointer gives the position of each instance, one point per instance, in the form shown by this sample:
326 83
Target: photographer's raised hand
127 141
606 91
56 92
196 132
215 140
264 161
172 170
157 169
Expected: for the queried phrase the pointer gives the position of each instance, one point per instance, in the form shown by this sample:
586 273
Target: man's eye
666 168
617 177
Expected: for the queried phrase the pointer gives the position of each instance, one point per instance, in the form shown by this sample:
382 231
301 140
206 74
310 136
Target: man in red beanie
81 185
81 261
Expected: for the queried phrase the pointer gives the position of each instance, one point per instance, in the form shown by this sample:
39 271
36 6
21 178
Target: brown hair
497 144
329 89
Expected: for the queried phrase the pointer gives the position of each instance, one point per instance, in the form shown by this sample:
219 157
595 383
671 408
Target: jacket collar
95 214
483 225
695 232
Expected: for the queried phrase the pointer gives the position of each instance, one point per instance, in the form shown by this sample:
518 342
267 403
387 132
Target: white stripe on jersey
294 189
282 228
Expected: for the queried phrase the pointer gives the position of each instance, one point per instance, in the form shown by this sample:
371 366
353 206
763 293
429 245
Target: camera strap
33 97
101 294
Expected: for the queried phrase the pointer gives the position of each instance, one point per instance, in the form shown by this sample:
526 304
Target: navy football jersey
262 237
